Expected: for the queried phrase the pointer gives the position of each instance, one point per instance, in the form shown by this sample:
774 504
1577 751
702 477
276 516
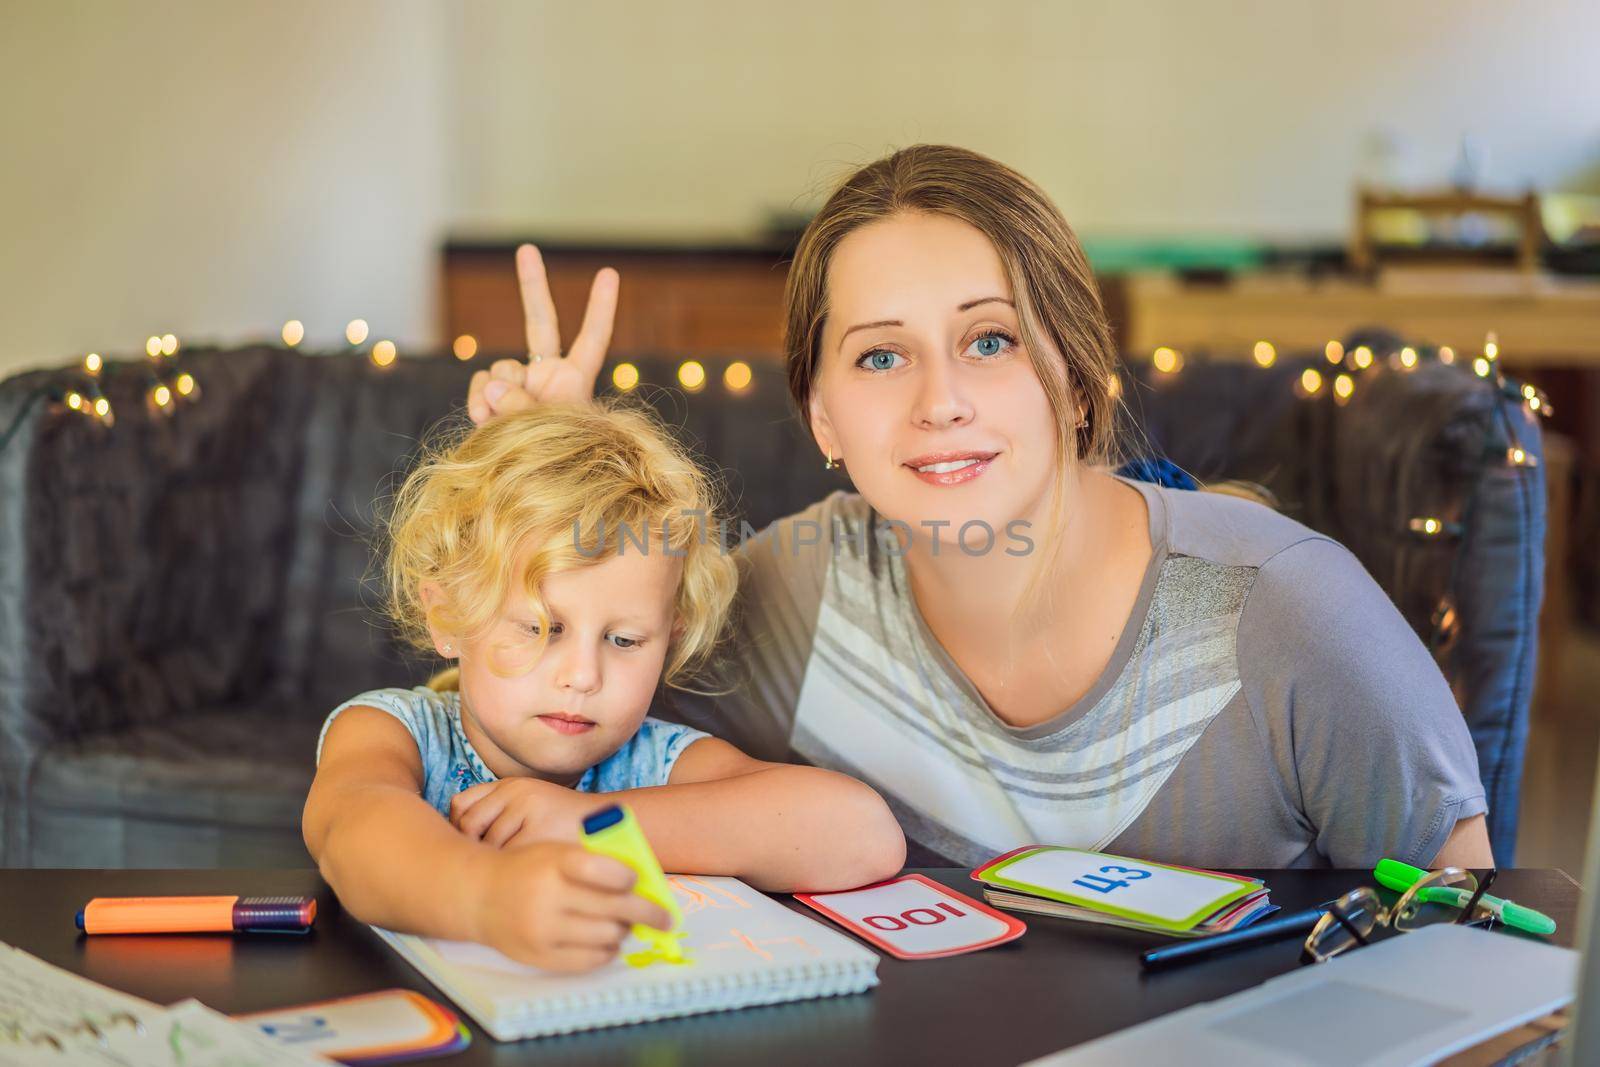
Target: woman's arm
387 854
1467 845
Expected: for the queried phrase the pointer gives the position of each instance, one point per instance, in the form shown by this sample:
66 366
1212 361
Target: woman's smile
950 468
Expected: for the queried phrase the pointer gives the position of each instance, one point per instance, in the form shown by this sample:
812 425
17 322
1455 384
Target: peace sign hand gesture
511 385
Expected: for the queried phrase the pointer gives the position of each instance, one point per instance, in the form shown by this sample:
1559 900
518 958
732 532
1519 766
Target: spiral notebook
744 949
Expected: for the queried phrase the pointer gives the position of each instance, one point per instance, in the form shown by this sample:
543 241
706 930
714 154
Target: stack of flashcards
1118 891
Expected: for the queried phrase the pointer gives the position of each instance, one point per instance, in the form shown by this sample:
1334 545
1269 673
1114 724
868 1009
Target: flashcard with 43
916 918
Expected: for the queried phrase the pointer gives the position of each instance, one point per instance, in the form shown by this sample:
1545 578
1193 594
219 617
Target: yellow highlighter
614 832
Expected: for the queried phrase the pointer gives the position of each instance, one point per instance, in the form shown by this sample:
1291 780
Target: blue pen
1266 930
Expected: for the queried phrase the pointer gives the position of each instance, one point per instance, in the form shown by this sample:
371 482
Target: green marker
613 832
1392 874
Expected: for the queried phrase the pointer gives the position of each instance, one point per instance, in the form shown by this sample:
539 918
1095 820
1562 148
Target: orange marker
195 915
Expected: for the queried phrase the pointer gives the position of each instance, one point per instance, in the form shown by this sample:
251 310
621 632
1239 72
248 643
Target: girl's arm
779 827
386 853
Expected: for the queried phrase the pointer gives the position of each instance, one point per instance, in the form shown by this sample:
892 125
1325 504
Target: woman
1186 677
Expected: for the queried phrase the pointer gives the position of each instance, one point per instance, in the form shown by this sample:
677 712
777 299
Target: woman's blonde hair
490 512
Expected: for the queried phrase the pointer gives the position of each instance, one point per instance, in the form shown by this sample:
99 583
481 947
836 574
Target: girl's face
923 388
589 689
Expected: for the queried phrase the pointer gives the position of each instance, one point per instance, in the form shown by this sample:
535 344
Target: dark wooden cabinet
721 302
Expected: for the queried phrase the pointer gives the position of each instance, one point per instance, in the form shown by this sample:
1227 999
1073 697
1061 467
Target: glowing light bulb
465 347
1480 367
75 401
692 375
1408 357
92 363
1343 386
356 331
1334 351
102 407
294 331
152 347
738 376
1361 357
383 353
1265 354
185 384
161 395
1311 381
169 344
624 376
1165 360
1491 347
1447 355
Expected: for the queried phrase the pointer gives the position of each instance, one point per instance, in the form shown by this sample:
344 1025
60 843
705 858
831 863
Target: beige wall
1164 117
216 168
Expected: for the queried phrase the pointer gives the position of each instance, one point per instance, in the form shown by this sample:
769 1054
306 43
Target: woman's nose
940 401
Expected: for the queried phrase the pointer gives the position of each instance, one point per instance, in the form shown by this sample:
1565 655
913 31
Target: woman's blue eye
991 344
624 642
879 359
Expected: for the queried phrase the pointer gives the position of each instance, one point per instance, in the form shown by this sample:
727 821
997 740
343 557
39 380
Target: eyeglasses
1451 895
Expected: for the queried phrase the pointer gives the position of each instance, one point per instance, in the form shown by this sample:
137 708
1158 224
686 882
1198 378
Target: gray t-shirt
1266 706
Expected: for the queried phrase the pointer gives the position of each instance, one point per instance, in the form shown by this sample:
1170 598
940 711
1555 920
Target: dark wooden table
1059 984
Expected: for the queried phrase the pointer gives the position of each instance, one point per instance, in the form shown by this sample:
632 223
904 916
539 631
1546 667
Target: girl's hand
560 907
520 811
548 376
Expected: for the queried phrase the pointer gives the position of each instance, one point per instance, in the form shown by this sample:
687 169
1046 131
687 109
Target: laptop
1406 1001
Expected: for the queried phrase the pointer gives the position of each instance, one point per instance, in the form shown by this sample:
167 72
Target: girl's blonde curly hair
490 512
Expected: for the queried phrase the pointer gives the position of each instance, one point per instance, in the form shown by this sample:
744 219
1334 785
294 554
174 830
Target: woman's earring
446 649
832 463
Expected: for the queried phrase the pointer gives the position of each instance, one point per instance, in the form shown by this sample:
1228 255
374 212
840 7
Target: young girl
562 558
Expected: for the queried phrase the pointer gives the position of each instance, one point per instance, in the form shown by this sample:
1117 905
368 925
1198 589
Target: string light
1408 357
356 331
1265 354
1343 387
1429 527
1491 347
92 364
294 331
1519 458
383 353
1167 360
1361 357
691 375
102 410
1447 355
152 347
1311 381
1334 351
465 347
1480 367
185 384
169 344
737 377
75 400
624 376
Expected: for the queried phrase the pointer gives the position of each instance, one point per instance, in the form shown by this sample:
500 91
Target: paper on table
52 1016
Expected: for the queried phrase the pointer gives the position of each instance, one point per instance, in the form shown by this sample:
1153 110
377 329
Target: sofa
185 594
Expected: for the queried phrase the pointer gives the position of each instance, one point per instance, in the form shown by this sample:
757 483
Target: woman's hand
511 385
520 811
560 907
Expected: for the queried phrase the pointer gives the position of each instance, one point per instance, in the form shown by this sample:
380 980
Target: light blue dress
450 764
